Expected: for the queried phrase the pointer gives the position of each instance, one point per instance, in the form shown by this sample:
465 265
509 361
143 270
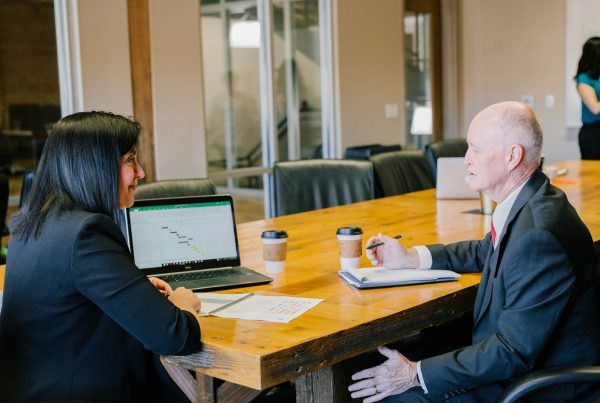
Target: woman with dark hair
79 320
588 86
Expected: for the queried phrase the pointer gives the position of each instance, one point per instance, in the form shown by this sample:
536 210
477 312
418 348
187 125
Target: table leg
230 392
205 388
326 385
225 393
183 379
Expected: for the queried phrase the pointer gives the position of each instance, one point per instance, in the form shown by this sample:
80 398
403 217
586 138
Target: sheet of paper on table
279 309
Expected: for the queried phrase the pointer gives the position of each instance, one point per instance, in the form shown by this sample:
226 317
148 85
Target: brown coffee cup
350 246
274 250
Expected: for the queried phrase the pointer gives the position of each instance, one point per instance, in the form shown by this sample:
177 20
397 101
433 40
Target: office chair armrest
548 377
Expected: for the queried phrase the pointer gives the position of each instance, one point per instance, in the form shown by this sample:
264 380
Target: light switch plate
391 111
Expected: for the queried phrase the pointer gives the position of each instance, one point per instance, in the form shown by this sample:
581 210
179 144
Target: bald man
537 304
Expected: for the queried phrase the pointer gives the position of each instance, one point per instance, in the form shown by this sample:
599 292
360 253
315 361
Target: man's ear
514 156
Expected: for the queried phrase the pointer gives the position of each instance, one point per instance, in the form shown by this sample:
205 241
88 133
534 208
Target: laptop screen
451 180
184 233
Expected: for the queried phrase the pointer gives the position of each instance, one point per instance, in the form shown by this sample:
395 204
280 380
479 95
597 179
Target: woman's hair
78 169
590 58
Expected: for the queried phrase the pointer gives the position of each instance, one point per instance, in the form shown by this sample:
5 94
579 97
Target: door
423 79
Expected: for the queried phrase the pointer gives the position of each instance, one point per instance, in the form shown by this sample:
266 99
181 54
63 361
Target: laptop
189 242
450 179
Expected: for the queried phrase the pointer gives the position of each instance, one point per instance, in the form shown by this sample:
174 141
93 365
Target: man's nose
467 159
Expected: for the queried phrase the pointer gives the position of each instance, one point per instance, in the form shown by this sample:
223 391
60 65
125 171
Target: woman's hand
161 286
185 300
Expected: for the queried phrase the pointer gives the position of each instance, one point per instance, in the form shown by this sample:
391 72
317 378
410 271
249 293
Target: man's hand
391 255
394 376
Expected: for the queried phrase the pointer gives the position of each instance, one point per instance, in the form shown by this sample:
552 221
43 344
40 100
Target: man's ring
376 390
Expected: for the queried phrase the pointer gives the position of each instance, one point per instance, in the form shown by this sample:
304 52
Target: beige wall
510 49
177 89
506 50
371 70
100 41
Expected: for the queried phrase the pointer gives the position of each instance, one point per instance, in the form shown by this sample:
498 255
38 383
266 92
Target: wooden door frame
141 81
433 8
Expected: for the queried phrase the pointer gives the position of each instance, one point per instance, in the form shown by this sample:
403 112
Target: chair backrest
175 188
543 379
444 148
3 202
313 184
26 183
367 151
401 172
6 153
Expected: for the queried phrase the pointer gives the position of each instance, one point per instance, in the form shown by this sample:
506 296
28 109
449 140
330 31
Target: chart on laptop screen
182 233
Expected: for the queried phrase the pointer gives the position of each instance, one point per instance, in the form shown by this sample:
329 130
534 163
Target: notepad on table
381 277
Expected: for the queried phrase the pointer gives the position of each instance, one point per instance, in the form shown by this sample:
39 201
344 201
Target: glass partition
417 79
297 78
236 57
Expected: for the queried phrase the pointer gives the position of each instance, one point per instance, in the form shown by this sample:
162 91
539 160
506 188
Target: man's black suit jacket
537 304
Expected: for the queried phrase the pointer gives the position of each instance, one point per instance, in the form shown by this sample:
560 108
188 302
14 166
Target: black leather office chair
367 151
27 182
3 203
3 209
548 377
4 194
400 172
175 188
313 184
443 148
6 154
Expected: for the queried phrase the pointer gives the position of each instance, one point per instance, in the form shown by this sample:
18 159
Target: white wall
511 49
506 50
100 56
179 136
99 60
371 70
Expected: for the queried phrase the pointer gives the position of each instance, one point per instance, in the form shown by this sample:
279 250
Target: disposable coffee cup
487 204
350 245
274 250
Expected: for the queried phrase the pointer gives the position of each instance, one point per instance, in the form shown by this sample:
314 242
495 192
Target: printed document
279 309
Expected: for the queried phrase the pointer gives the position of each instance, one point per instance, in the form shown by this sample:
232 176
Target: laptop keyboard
199 275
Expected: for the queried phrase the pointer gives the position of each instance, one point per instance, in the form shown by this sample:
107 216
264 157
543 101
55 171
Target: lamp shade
421 121
244 34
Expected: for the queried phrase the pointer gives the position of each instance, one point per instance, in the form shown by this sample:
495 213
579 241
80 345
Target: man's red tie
493 234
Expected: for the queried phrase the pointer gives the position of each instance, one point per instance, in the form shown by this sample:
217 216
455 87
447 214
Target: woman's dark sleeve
103 271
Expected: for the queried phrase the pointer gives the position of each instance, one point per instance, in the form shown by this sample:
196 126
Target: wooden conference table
313 348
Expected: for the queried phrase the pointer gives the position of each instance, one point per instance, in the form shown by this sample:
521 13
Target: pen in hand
381 243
